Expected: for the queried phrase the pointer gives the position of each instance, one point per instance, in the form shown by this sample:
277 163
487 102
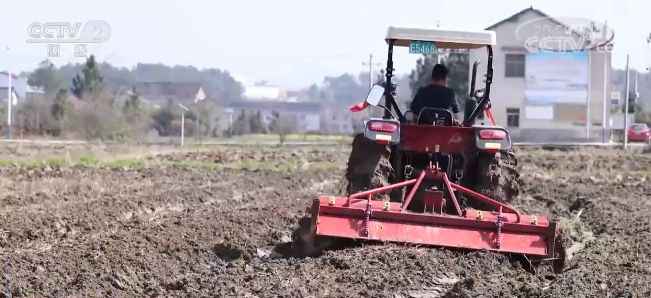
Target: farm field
210 221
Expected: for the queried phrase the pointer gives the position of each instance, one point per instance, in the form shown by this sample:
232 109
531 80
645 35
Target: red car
639 132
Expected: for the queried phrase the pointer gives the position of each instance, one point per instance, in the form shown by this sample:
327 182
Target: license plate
422 47
380 137
493 146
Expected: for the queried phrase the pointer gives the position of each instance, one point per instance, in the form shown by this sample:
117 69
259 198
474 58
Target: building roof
515 17
573 31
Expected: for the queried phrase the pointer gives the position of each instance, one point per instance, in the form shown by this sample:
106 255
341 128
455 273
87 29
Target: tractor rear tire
498 177
368 165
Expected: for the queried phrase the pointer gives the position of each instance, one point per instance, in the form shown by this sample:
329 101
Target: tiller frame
505 230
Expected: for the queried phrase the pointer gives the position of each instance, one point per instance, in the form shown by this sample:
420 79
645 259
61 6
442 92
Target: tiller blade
503 230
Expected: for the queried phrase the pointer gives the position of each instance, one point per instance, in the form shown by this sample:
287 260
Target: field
207 221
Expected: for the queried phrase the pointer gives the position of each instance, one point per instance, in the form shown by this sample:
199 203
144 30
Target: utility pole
370 65
200 96
9 104
183 110
648 42
626 98
370 71
182 127
604 111
588 115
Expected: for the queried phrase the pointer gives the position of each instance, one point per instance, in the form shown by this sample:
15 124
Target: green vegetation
251 165
90 82
134 160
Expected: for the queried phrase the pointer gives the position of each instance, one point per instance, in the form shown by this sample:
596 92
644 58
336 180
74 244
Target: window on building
512 117
514 67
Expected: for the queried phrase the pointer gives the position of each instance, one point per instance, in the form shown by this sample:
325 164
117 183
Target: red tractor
428 179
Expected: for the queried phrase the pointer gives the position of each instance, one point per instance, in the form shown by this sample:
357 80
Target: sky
287 43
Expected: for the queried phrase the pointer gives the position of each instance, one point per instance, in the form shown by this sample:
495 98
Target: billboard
556 77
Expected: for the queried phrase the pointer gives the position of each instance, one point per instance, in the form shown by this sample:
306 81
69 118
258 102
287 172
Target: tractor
428 179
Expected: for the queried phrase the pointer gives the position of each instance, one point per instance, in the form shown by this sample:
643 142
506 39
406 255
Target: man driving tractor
435 95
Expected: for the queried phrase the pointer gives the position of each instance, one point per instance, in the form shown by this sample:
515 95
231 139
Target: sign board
556 77
422 47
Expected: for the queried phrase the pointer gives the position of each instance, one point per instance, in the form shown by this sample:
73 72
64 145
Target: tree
206 112
163 119
218 83
241 125
90 82
344 89
35 117
313 93
46 76
136 116
132 104
256 124
59 105
282 125
60 109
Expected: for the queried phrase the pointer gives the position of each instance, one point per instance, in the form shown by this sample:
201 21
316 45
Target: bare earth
206 223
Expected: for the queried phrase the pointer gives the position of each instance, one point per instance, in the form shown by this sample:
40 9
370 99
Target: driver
435 95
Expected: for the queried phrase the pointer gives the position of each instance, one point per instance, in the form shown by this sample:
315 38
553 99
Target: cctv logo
95 31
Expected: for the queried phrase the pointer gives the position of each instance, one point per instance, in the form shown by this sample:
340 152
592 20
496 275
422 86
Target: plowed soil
207 223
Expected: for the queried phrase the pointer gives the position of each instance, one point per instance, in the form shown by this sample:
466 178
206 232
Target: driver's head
440 75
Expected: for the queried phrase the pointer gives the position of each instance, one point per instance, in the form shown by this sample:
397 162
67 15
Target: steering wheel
435 116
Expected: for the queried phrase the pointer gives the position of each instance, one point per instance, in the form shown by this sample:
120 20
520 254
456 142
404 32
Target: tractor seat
435 116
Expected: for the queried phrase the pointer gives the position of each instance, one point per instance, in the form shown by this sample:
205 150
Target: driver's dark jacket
434 96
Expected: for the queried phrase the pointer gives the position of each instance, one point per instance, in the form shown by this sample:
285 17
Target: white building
264 93
542 95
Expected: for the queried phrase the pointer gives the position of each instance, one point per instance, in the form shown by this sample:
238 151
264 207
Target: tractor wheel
368 165
497 176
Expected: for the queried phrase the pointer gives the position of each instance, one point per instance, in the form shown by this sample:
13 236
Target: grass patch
274 138
285 163
130 164
251 165
192 164
281 166
88 161
7 163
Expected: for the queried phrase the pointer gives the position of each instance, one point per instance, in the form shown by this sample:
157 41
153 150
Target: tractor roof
442 38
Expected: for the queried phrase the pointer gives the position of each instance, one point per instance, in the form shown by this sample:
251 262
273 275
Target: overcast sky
289 43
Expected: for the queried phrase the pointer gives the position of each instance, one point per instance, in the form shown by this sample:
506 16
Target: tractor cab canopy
427 41
444 39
